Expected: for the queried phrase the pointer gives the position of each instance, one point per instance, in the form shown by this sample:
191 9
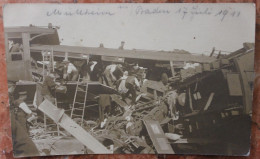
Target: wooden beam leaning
63 120
158 137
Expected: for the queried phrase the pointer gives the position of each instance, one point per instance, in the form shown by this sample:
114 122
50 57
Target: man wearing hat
71 73
22 110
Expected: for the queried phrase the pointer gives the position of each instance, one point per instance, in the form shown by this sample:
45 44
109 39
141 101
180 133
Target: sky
196 28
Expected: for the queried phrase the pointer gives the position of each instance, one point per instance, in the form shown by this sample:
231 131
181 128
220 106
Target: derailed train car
218 104
211 112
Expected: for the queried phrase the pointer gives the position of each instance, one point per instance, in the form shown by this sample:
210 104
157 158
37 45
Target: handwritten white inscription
185 12
79 12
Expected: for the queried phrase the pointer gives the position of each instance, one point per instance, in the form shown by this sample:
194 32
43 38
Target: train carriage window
16 49
15 45
16 57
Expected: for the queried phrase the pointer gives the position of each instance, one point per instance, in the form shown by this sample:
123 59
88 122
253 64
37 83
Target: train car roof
29 29
137 54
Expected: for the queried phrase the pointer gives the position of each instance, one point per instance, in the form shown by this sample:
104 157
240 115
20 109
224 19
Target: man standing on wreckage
113 73
71 73
129 84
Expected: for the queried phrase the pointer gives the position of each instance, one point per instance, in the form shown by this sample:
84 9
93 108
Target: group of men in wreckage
126 79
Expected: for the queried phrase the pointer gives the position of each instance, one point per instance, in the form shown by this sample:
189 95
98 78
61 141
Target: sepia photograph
130 78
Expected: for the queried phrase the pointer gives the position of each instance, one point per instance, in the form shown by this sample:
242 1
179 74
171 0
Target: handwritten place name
150 11
190 13
185 12
79 12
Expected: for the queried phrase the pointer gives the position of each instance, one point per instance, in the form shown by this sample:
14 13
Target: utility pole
213 50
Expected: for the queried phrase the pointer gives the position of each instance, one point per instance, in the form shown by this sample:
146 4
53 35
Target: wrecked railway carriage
205 108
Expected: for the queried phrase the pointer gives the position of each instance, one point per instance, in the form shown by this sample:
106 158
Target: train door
18 56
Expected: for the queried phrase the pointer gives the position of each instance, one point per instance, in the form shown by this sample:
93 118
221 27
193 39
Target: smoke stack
122 45
50 26
213 50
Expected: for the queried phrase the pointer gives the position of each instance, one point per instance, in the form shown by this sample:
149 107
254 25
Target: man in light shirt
71 73
121 83
132 84
113 73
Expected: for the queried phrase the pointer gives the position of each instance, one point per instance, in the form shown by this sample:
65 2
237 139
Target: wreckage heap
124 129
149 127
198 109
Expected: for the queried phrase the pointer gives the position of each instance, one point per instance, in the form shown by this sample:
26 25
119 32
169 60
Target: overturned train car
217 104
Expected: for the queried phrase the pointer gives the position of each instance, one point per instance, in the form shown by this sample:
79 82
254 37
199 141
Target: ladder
79 105
50 124
47 56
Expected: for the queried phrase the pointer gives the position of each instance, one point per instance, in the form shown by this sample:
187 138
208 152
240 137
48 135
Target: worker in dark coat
22 144
90 72
97 72
84 70
48 87
95 69
22 110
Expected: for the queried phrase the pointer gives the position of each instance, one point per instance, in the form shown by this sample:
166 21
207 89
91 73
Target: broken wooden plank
190 101
155 85
172 68
158 137
72 127
93 87
116 99
209 101
51 110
